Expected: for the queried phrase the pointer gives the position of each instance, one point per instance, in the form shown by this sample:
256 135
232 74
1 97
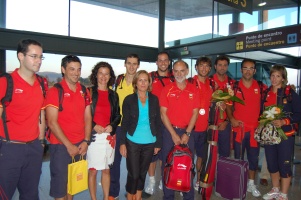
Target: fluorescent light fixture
263 3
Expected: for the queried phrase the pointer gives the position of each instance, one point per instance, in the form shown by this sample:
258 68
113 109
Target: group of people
137 115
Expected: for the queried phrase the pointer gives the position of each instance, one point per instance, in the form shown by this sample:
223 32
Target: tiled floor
294 192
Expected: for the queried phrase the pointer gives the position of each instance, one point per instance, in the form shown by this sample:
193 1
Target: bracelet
187 133
87 141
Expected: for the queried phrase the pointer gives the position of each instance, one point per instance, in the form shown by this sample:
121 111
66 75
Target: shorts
101 153
59 160
200 139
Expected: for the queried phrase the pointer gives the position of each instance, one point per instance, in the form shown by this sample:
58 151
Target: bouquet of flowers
224 97
271 113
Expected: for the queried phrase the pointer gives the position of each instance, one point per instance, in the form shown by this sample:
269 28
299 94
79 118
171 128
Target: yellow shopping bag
77 176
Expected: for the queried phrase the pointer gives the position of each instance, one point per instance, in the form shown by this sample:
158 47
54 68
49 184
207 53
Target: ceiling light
262 3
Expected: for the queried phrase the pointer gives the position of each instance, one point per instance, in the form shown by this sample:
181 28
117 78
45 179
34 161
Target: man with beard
160 79
206 87
70 128
180 102
246 116
224 127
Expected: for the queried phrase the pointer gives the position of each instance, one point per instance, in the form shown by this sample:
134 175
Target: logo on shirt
190 96
172 95
81 92
256 91
18 91
181 166
66 95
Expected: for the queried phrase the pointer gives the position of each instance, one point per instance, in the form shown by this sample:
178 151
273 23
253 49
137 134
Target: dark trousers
252 152
224 141
139 156
115 170
279 157
20 168
166 147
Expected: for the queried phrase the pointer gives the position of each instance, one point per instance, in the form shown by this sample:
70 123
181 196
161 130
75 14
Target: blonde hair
135 80
283 72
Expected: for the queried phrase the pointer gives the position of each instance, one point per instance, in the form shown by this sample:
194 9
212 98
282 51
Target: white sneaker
255 192
273 194
196 186
160 185
150 188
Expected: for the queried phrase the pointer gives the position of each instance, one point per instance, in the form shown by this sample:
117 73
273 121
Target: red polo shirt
205 101
23 112
159 83
180 103
71 119
248 113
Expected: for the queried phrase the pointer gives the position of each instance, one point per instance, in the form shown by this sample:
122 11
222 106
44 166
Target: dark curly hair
93 76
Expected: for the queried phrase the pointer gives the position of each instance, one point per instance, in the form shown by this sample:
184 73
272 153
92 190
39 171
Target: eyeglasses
248 69
35 56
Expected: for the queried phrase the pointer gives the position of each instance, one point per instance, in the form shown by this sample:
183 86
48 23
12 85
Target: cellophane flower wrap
223 97
271 113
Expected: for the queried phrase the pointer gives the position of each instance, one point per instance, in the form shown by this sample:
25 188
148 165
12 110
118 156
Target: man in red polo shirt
246 116
224 127
180 102
21 152
206 87
70 128
160 78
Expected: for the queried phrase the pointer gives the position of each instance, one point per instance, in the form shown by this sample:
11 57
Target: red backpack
179 169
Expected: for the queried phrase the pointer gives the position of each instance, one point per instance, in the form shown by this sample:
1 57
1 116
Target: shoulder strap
60 90
44 84
159 77
86 96
230 80
9 89
237 88
260 84
192 81
119 80
6 100
212 83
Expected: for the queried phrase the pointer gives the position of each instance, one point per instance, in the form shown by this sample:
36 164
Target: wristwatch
187 133
87 141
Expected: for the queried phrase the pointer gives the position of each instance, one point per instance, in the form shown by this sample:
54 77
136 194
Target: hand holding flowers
271 117
224 97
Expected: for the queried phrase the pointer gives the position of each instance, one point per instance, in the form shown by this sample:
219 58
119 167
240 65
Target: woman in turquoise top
140 133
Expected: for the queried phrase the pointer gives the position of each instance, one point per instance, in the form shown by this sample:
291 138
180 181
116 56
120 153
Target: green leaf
236 99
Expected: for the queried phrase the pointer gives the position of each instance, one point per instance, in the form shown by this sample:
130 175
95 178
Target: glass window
47 16
51 65
180 28
281 17
97 22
